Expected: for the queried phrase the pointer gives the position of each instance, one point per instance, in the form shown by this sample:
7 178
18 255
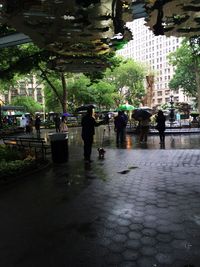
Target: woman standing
63 125
160 119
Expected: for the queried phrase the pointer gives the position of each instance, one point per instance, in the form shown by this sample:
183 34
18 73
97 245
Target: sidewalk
137 207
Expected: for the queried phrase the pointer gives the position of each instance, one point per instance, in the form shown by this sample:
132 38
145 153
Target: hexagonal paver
164 238
148 251
165 258
133 244
130 254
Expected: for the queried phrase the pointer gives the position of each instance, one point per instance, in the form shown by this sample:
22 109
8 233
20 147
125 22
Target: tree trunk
64 99
198 90
44 76
197 74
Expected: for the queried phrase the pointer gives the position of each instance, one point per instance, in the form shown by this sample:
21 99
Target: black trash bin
59 147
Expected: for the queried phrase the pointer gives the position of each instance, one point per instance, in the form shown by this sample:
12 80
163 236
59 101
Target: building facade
26 87
152 51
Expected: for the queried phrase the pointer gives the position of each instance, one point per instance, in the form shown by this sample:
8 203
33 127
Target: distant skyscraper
152 51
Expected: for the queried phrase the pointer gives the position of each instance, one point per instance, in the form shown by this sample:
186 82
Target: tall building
152 51
26 87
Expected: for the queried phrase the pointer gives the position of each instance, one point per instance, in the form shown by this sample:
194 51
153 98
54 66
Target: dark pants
87 147
57 128
120 135
143 133
162 136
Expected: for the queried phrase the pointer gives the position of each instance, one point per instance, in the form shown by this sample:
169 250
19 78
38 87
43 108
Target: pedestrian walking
88 124
120 122
160 126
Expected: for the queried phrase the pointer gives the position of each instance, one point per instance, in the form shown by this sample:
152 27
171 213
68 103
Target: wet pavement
140 206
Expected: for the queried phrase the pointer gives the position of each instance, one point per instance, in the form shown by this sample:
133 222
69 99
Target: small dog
101 152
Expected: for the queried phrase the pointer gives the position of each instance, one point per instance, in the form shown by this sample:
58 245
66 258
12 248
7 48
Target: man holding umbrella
88 130
143 116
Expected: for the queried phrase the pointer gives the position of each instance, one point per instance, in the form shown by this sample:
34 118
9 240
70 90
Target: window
159 93
14 92
30 91
39 99
22 91
39 91
167 92
22 84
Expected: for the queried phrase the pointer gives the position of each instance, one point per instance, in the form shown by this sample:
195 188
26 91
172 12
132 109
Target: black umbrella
139 114
85 107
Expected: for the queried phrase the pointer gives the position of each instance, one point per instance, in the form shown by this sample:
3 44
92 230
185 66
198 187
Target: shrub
13 163
9 154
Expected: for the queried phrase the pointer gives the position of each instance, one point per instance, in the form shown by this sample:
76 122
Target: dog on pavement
101 152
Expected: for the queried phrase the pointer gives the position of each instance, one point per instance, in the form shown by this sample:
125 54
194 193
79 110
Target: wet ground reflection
172 141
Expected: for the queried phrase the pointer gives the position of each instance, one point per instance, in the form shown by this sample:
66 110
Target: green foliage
121 74
8 154
52 102
187 63
104 94
79 91
29 104
20 60
13 163
128 79
11 169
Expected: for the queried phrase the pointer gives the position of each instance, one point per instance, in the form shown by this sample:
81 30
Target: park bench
36 146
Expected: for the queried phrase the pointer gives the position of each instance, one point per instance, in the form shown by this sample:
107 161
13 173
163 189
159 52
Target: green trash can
59 147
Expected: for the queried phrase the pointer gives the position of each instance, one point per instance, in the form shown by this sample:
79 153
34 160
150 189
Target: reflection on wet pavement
172 141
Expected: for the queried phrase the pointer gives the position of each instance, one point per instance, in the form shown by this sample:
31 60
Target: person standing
57 123
120 123
27 126
88 124
63 125
160 120
144 124
37 125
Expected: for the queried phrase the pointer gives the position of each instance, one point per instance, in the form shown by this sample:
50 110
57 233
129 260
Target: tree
128 80
79 90
29 104
30 59
27 58
186 60
105 94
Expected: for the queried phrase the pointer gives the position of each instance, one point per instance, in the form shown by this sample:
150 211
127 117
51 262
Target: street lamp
171 113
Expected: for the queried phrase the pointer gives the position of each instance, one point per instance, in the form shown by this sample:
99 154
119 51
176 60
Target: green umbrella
125 107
